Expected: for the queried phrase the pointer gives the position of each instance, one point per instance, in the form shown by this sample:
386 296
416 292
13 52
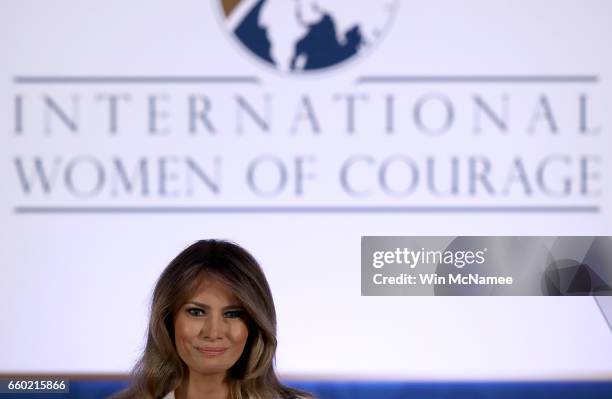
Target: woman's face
210 329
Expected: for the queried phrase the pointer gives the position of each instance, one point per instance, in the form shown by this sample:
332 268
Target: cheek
185 331
239 334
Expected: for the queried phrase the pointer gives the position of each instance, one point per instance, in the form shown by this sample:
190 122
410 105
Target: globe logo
297 36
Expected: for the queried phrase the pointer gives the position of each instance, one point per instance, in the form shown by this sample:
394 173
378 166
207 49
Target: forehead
210 290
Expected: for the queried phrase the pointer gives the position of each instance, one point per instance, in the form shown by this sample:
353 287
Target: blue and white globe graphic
296 36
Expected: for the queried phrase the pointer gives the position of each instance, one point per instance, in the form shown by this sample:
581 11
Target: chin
210 369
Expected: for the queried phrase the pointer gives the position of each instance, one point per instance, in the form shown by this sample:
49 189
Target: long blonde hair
161 370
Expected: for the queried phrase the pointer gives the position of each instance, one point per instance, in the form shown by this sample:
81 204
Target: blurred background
132 129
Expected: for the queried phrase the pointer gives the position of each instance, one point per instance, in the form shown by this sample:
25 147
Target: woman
212 332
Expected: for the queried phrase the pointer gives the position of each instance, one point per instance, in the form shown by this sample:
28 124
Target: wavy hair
161 370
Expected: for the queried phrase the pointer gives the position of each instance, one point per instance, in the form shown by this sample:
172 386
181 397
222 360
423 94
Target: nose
212 327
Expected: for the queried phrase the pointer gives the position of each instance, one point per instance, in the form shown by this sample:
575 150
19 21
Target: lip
211 350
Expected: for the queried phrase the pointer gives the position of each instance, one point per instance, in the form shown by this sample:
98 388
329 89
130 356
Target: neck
196 386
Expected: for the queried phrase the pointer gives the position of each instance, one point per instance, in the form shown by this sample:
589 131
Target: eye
234 314
197 312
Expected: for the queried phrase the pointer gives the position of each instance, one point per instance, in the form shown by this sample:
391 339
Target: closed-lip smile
211 350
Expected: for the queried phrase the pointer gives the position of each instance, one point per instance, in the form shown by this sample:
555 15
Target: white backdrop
75 287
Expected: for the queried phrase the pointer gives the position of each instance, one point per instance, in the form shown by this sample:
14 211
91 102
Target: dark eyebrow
204 306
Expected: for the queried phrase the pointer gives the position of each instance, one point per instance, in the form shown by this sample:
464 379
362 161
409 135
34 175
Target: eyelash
230 314
236 314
